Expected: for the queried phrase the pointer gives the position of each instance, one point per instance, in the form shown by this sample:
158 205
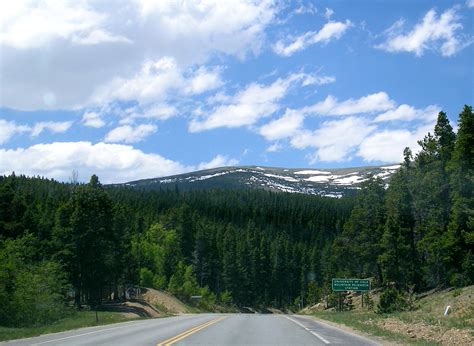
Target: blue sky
140 89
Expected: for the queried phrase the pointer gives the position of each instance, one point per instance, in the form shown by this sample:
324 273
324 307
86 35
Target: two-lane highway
206 329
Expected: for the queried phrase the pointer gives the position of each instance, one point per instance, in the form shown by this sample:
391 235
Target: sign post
358 285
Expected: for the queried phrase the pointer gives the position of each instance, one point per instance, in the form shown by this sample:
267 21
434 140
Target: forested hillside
87 242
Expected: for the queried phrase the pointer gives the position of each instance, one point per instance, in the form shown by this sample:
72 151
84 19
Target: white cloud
328 13
92 119
218 161
203 80
130 134
233 27
367 104
9 128
98 36
53 126
247 106
85 44
334 140
159 112
32 24
155 81
388 145
318 80
307 8
111 162
435 33
470 3
274 148
330 31
283 127
408 113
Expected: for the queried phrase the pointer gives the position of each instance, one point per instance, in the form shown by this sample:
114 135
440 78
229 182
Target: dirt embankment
149 303
422 330
426 321
163 302
132 309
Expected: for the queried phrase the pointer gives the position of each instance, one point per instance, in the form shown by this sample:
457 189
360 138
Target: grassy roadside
364 322
425 325
77 319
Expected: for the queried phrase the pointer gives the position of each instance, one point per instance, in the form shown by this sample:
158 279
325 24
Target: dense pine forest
81 244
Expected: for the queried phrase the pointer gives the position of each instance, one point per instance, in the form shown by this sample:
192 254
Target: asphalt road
206 329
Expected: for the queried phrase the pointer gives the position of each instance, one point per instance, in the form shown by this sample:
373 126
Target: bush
39 295
30 294
146 277
391 300
225 298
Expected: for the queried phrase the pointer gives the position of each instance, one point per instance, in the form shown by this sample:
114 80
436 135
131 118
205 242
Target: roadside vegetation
64 244
72 320
423 323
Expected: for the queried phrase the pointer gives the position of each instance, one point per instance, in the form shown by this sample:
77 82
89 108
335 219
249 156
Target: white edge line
78 335
307 329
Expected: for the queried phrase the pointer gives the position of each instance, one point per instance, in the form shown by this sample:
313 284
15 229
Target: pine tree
84 236
399 260
460 239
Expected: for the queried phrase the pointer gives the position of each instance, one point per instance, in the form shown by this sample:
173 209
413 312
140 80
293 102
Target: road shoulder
351 330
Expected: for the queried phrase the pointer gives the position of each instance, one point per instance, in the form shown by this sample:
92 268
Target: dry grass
424 325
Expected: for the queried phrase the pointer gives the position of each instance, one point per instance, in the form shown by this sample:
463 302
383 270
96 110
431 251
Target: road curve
205 329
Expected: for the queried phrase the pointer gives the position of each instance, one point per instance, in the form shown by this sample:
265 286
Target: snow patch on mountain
291 179
391 167
349 180
309 172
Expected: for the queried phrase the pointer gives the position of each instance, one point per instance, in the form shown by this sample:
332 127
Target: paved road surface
206 329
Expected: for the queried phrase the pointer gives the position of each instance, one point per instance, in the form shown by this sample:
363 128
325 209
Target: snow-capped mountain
323 182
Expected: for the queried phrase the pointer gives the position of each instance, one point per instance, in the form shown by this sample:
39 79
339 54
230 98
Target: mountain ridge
333 182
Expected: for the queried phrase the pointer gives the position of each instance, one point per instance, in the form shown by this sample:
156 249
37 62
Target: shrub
391 300
146 277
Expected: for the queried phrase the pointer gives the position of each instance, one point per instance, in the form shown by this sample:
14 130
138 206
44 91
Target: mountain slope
324 182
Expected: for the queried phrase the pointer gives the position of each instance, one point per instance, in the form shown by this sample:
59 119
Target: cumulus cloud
160 111
359 133
155 80
85 44
130 134
388 145
31 24
367 104
436 33
9 128
305 8
470 3
334 140
247 106
408 113
328 13
330 31
113 163
92 119
274 148
218 161
318 80
53 126
283 127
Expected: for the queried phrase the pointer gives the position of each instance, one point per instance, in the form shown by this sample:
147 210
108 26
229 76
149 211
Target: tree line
88 242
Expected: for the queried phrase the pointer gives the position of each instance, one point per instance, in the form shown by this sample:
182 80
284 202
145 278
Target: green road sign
361 285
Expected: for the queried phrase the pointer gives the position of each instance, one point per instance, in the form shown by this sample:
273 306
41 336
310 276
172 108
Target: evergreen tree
460 238
399 260
84 237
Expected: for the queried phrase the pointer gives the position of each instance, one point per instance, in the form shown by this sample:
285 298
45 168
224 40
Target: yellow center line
188 332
